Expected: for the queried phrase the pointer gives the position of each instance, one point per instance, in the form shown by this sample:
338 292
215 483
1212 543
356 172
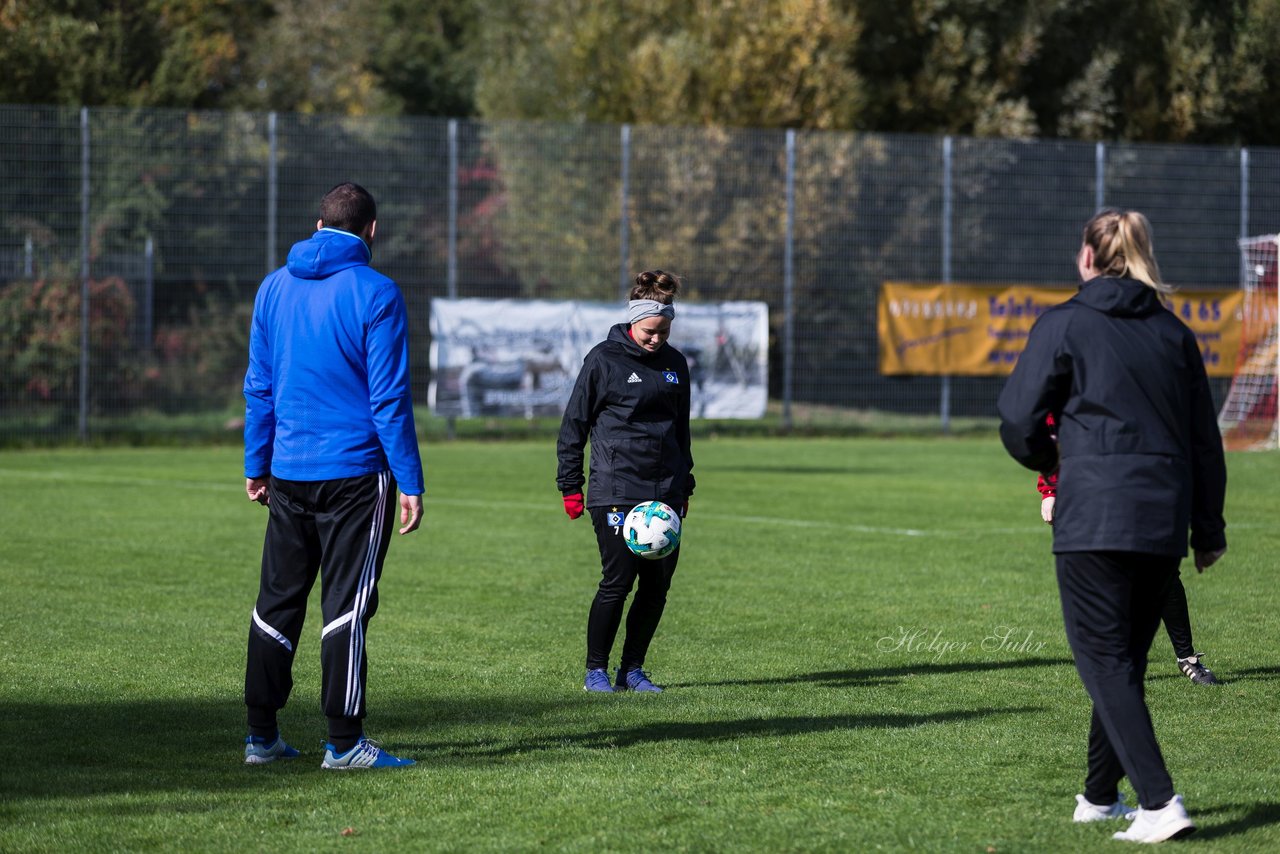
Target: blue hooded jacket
327 391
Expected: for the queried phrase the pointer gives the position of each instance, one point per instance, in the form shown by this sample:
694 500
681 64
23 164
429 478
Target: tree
421 54
774 63
310 57
155 53
367 57
1254 67
949 66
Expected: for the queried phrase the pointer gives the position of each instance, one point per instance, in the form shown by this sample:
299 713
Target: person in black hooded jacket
631 400
1139 461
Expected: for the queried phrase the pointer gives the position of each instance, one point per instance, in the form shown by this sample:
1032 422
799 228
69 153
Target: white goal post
1249 418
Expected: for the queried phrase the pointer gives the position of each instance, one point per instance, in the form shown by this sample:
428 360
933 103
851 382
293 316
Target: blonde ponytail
1121 244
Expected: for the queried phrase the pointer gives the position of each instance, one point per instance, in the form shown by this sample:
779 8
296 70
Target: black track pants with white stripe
339 529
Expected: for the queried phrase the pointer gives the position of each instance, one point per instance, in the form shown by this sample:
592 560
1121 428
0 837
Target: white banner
496 357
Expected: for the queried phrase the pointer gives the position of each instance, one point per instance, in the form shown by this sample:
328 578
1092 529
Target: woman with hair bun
631 401
1139 462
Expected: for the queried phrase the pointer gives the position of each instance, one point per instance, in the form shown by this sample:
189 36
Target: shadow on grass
1225 677
1260 673
707 731
884 675
1255 816
195 747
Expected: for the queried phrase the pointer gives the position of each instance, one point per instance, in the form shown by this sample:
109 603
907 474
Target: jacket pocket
637 468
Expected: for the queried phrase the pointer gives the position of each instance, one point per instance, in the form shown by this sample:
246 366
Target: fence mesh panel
187 211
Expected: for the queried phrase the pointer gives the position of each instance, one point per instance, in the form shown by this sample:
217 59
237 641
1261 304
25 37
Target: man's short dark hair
348 207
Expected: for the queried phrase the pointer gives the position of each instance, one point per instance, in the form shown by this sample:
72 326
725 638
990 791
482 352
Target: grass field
862 645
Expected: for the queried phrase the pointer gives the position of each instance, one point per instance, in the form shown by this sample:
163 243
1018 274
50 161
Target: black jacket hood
619 334
1120 297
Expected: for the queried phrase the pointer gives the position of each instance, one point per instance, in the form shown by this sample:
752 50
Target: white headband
639 309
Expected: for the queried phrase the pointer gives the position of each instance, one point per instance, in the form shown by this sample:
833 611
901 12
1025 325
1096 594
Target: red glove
573 505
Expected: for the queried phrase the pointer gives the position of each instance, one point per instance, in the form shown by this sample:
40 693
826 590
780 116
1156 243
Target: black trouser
340 529
1111 604
1177 620
620 568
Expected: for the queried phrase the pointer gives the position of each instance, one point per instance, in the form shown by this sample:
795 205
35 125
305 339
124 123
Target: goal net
1248 418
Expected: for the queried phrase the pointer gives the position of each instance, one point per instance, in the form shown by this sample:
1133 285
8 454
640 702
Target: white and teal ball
652 530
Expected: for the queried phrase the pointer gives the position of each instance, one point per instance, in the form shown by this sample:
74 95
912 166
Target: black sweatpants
1177 618
341 530
619 570
1111 605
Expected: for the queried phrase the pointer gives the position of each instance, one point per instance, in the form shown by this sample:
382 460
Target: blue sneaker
366 754
635 679
597 681
259 751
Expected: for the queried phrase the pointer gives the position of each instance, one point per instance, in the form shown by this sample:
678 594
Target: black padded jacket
1139 456
633 406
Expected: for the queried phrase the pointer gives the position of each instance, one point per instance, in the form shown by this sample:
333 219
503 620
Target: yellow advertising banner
979 330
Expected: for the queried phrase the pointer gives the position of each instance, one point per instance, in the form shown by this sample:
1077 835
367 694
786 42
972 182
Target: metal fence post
1244 226
273 190
944 404
1099 176
1244 193
788 285
83 425
624 221
451 270
148 317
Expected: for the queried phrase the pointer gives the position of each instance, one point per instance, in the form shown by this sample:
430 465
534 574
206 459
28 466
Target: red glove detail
573 505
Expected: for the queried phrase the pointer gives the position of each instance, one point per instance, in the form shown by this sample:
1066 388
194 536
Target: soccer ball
652 530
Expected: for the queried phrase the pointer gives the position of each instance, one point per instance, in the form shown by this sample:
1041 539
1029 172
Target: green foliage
736 62
40 345
1155 70
420 54
555 239
199 364
309 58
195 365
1149 70
797 717
360 58
290 55
112 52
955 66
1254 70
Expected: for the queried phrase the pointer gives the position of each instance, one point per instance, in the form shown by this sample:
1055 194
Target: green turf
863 650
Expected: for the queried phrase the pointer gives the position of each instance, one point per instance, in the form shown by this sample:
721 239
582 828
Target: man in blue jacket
328 435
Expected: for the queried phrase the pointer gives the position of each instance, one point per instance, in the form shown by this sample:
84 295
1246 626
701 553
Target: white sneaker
1086 810
1169 822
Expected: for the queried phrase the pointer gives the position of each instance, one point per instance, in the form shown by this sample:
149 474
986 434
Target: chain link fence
133 241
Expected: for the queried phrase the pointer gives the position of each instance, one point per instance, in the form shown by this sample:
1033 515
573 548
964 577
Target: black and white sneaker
1196 671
